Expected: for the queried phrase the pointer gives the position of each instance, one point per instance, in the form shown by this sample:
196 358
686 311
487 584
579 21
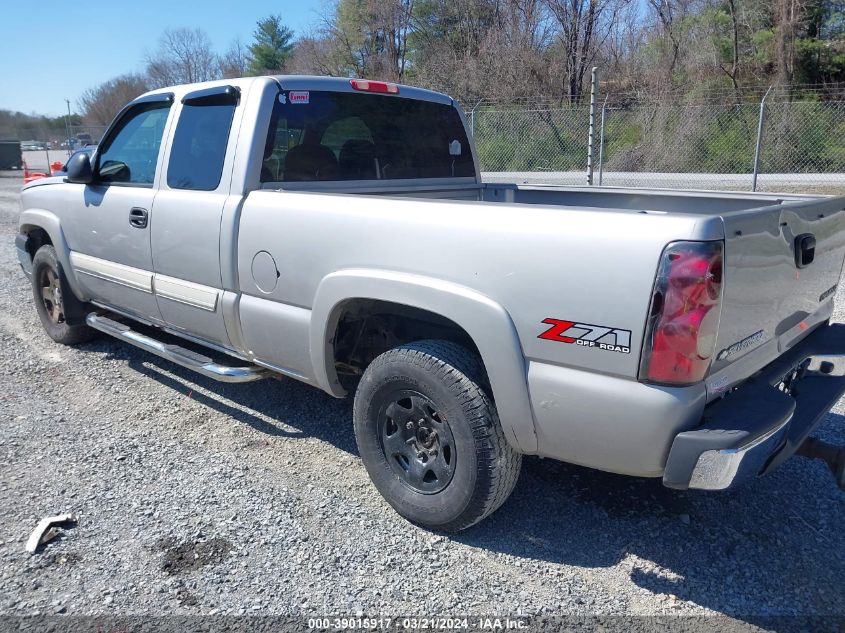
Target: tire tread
62 333
461 371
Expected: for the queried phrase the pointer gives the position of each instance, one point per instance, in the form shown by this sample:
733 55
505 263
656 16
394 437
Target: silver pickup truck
338 232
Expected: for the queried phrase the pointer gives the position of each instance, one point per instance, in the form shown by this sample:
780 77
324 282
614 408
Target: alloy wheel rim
51 295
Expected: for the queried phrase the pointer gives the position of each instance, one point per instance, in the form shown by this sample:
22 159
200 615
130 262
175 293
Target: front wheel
47 289
430 436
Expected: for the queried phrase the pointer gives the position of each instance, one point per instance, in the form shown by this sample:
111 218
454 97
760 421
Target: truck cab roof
302 82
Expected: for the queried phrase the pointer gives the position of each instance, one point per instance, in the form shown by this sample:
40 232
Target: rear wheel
430 436
47 289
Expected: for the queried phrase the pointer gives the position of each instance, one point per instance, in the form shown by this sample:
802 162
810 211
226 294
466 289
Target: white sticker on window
283 98
300 96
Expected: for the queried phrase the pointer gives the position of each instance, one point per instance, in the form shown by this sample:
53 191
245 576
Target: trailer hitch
826 365
832 455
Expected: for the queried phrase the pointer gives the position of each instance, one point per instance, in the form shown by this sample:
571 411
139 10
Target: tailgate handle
805 250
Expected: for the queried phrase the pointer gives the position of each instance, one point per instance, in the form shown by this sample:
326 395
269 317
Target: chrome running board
176 354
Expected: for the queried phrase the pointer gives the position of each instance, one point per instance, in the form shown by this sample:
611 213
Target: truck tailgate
782 266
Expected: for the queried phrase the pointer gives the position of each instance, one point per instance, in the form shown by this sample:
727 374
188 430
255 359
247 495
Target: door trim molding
135 278
162 286
187 292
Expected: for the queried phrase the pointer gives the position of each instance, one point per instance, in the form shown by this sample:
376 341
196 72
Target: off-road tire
45 265
486 467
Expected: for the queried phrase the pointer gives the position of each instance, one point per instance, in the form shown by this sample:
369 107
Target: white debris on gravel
46 531
251 499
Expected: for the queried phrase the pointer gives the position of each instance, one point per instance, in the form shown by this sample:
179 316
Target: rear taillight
683 318
365 85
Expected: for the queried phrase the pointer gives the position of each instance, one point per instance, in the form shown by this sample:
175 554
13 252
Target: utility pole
67 126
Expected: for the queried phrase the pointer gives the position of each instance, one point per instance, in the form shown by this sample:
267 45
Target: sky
51 51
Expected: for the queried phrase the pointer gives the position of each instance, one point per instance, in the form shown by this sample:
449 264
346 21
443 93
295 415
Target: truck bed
764 296
611 198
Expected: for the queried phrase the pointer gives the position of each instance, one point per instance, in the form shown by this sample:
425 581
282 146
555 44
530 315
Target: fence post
759 145
601 141
591 138
472 118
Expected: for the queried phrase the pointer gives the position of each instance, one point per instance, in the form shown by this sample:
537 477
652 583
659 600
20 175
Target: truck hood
40 182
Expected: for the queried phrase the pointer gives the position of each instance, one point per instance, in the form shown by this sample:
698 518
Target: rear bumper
755 428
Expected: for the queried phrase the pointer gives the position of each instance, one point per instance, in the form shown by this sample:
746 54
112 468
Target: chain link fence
533 140
711 146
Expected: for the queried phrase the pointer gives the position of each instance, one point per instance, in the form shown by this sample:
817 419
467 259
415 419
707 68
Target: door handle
138 217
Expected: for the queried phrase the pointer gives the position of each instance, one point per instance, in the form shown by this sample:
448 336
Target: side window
199 145
130 154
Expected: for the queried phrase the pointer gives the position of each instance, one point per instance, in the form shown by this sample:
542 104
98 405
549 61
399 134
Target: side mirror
79 169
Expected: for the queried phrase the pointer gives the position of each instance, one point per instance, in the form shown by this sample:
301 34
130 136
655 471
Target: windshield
351 136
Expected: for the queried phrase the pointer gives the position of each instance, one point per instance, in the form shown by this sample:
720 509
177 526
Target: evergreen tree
272 45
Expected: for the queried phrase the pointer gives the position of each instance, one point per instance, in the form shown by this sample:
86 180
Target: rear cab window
339 136
201 138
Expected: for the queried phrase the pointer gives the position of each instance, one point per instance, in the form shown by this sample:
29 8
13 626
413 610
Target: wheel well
36 238
367 328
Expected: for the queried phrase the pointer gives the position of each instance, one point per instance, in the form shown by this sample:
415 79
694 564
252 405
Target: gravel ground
195 497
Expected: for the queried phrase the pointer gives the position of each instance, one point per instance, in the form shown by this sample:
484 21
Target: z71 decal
610 339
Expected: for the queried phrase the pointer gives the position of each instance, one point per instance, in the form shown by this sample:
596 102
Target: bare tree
584 26
99 105
787 18
316 54
369 38
475 49
621 67
235 61
666 11
732 71
394 25
183 56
